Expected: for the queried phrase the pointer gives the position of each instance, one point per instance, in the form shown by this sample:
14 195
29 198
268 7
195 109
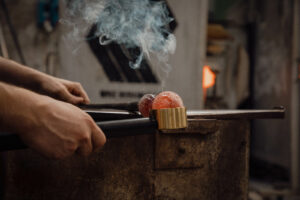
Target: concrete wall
272 74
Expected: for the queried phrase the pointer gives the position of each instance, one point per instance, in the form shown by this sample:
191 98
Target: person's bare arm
54 128
26 77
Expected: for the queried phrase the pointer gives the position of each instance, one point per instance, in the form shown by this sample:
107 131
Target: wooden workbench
206 161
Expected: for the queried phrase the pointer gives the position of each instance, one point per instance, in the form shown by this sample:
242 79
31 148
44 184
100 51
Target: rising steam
139 24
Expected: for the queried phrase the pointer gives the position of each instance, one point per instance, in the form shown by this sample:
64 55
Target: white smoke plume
139 24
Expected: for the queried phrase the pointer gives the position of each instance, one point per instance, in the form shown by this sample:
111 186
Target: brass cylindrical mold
170 118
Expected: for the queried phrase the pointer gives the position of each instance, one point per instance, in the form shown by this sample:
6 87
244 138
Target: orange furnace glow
208 77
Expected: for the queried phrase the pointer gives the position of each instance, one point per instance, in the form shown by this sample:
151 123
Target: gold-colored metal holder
170 118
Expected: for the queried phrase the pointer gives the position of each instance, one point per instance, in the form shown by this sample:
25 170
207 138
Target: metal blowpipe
170 118
125 124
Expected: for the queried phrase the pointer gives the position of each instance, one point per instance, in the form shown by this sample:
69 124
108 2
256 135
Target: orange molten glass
208 77
167 99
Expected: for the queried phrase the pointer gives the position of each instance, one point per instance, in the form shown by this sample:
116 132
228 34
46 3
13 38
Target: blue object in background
47 13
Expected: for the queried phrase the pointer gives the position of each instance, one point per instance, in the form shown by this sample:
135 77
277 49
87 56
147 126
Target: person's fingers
98 139
86 147
78 90
84 94
70 98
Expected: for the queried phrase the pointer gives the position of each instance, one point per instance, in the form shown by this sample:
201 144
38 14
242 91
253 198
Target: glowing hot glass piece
167 99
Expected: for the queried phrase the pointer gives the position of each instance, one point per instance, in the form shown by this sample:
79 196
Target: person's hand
68 91
26 77
59 129
55 129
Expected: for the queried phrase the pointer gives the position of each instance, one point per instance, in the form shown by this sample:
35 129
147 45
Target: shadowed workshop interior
235 64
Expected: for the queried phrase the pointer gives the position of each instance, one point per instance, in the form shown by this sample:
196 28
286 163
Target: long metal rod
116 128
236 114
136 126
100 115
131 106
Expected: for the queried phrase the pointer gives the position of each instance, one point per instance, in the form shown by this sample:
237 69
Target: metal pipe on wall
3 46
203 19
12 31
295 143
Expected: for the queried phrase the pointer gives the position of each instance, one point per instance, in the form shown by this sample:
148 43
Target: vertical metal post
295 143
202 56
3 46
